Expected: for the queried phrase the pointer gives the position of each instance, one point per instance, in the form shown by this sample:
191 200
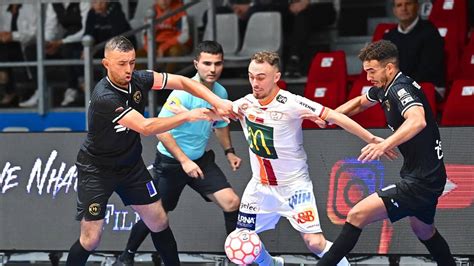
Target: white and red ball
242 246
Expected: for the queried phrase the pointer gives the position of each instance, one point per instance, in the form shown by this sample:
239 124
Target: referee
110 160
416 135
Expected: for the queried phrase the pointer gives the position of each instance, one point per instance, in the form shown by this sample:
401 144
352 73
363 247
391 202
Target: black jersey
108 143
423 157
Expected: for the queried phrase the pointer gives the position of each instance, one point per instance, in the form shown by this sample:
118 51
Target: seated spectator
420 47
64 28
104 21
171 35
17 31
299 19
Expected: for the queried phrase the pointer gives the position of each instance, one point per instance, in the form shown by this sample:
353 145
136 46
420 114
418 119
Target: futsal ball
242 246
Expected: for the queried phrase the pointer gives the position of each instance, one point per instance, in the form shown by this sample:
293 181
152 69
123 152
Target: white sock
343 262
264 258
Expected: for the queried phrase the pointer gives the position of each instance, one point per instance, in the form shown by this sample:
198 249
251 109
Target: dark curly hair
383 51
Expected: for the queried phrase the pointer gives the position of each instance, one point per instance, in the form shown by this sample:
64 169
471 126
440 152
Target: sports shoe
127 258
278 261
32 101
70 96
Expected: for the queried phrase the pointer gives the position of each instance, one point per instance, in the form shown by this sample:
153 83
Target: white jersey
275 137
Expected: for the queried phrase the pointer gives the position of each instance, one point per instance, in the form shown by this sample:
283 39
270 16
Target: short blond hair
269 57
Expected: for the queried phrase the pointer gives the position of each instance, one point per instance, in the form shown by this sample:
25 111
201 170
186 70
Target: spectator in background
64 28
17 30
171 35
421 48
104 21
300 19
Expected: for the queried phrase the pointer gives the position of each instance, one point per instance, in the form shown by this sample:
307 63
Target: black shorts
172 179
96 184
408 198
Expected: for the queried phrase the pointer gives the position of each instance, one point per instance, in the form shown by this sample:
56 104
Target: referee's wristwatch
229 150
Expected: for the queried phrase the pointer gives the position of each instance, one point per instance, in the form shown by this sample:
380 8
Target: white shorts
262 206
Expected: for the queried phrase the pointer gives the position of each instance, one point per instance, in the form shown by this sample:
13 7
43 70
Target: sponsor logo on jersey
260 139
249 207
439 151
406 100
308 106
137 96
276 115
305 216
246 220
281 98
401 93
300 197
94 209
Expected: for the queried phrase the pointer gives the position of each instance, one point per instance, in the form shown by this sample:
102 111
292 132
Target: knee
315 242
356 217
90 241
423 233
232 204
158 225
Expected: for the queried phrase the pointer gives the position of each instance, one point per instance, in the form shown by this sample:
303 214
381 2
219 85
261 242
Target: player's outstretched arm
152 126
355 105
223 107
349 125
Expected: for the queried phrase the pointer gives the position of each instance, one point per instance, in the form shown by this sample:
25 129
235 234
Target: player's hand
224 109
234 161
372 151
389 154
192 169
201 114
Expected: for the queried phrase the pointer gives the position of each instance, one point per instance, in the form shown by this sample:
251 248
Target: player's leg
156 219
215 187
139 190
93 191
368 210
319 245
433 240
89 240
229 202
258 212
170 190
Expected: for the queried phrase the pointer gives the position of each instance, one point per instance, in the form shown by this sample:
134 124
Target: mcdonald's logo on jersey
260 139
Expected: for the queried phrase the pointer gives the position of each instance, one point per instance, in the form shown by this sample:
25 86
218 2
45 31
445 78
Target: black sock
137 236
439 249
77 255
165 244
344 243
230 219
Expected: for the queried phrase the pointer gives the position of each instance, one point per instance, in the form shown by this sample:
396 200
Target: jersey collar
118 88
393 81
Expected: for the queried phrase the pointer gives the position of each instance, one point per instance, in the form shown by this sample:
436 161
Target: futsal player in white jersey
280 183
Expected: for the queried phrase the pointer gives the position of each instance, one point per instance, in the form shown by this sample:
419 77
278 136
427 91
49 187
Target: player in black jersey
417 137
110 158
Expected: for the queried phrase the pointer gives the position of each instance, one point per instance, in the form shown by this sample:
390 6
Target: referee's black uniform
423 172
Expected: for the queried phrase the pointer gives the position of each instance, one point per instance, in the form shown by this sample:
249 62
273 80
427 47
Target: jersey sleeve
303 104
177 100
371 94
405 97
111 108
144 79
